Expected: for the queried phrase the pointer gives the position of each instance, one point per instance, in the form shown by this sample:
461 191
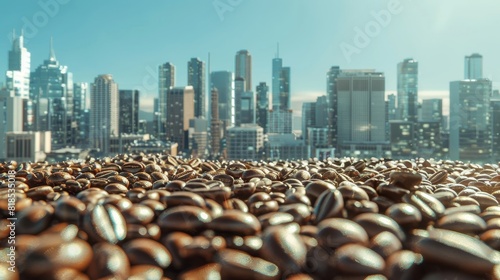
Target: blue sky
129 39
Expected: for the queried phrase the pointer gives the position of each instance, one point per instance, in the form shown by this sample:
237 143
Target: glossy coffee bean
183 198
375 223
186 218
284 249
235 222
144 251
206 272
144 271
34 219
237 264
385 244
139 214
335 232
463 222
356 259
328 205
69 209
404 214
105 223
109 261
404 264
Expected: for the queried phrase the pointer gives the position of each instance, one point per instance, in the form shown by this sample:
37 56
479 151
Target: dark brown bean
237 264
328 205
285 249
356 259
336 232
109 261
235 222
186 218
144 251
105 223
34 219
375 223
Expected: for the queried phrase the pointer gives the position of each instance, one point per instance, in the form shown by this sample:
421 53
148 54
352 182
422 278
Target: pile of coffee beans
161 217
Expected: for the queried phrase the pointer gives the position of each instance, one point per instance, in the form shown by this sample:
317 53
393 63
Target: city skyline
310 46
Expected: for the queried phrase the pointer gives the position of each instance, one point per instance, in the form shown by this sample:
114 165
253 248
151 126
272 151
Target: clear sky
129 39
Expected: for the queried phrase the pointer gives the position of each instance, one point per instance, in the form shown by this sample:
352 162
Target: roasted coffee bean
328 205
430 208
109 261
355 259
139 214
52 253
58 178
333 233
404 214
263 207
285 249
248 174
404 265
235 222
133 167
154 205
316 188
39 193
258 197
463 222
105 223
236 264
206 272
355 207
176 243
186 218
34 219
276 218
406 180
69 209
375 223
140 272
456 250
301 213
144 251
183 198
392 191
352 191
385 244
115 188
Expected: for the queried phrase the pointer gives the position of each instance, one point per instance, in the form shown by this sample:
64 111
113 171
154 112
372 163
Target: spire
52 55
278 50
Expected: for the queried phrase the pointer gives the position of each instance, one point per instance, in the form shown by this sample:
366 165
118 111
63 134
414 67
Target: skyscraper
262 105
129 111
18 71
81 94
52 82
245 142
432 110
473 67
166 79
196 79
243 68
244 103
408 90
223 81
361 118
104 114
180 102
215 123
470 121
331 95
10 108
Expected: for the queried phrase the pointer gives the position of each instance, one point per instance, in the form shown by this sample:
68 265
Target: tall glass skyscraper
166 79
243 68
473 67
129 111
52 84
196 79
104 118
408 90
18 71
223 81
331 95
262 105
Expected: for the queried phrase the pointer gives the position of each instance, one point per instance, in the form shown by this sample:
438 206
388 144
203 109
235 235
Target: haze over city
130 40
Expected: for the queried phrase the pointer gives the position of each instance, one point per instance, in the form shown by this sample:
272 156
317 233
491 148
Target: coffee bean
404 265
285 249
404 214
211 271
375 223
109 261
336 232
34 219
235 222
139 214
105 223
186 218
144 251
140 272
328 205
355 259
385 244
236 264
183 198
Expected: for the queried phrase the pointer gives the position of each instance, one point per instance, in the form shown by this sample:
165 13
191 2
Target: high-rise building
223 81
391 107
129 111
243 68
180 102
53 82
245 142
495 131
81 94
104 112
19 67
308 118
361 116
473 67
408 90
321 112
280 121
281 86
198 137
215 124
166 80
470 121
10 108
331 95
432 110
262 105
244 103
196 79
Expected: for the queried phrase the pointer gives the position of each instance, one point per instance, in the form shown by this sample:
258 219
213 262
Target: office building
432 110
27 146
308 118
245 142
180 102
470 120
262 108
198 137
196 79
243 68
408 90
280 121
331 95
286 147
223 81
10 108
166 80
81 96
215 124
19 67
129 111
104 113
51 89
361 112
495 131
473 67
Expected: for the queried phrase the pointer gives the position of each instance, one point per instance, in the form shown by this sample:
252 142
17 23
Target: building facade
245 142
166 80
180 111
129 111
408 90
19 67
243 68
262 108
196 79
223 81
